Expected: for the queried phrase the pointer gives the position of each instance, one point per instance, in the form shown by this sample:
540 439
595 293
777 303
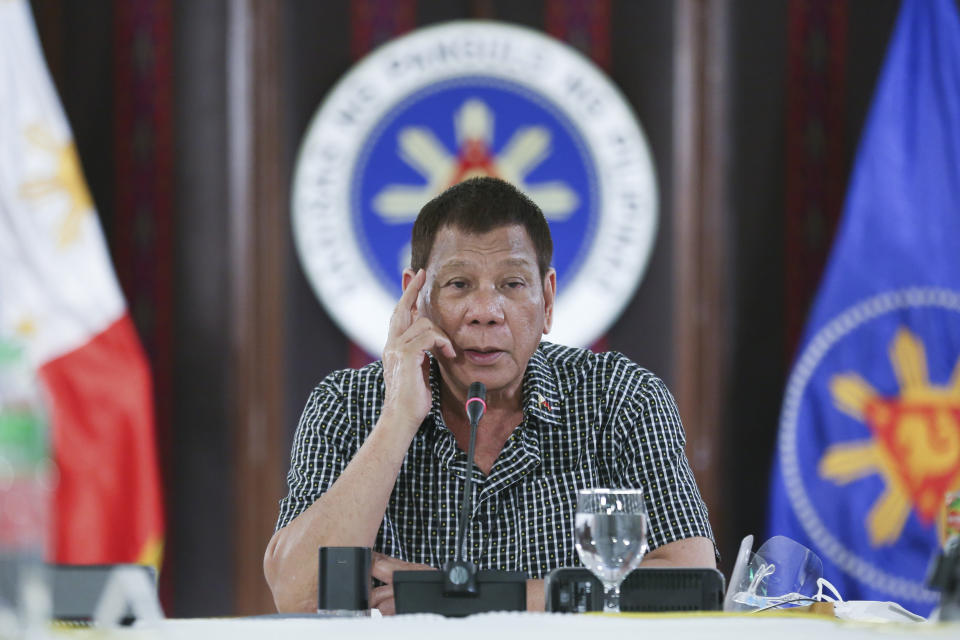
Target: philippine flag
60 297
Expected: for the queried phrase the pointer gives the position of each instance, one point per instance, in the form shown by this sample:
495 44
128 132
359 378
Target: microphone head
476 401
477 390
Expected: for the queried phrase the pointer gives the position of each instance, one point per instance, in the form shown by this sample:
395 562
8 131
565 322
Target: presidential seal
463 99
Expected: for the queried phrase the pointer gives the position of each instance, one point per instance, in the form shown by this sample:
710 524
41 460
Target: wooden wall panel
700 215
258 238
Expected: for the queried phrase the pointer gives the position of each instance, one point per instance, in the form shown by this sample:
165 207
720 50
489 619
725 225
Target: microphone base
425 592
460 579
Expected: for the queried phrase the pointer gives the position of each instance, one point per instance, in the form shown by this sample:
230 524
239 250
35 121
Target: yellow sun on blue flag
869 439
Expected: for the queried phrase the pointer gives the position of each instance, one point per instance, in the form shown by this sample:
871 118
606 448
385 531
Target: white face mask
873 611
751 600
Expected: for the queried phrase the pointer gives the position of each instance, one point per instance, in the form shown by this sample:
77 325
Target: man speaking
379 456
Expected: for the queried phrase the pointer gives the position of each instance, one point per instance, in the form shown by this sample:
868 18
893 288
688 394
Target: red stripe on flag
108 501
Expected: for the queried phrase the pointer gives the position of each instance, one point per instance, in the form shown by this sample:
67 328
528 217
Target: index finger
409 295
383 567
403 313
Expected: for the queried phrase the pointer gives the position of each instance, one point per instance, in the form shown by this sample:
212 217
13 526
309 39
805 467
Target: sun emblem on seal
473 123
915 443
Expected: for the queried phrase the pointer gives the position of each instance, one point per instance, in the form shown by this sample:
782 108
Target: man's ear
549 296
406 277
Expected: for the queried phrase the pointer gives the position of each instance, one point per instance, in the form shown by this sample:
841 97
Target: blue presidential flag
869 437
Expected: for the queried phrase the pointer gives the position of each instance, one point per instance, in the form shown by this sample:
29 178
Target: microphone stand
460 575
460 589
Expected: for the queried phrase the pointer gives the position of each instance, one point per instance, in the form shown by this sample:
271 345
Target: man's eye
515 284
458 284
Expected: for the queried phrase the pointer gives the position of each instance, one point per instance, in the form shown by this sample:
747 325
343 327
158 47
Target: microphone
460 575
460 589
476 403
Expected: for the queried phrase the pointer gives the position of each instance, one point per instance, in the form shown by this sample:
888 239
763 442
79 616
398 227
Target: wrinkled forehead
508 245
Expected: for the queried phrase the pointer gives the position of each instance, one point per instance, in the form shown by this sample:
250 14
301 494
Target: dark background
183 274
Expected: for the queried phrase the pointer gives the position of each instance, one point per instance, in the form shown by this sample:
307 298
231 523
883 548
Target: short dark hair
479 205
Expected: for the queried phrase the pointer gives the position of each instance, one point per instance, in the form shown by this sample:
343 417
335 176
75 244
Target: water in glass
611 536
611 545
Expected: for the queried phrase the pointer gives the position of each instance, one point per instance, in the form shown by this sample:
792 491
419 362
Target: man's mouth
482 355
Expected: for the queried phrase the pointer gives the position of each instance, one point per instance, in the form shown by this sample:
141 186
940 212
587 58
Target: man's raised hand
405 361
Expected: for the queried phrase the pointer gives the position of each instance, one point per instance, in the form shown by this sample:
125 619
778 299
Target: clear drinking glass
611 536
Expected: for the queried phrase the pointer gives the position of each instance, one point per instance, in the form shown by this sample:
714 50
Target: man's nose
485 307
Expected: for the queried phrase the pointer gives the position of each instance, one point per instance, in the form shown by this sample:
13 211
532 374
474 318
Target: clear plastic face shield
782 573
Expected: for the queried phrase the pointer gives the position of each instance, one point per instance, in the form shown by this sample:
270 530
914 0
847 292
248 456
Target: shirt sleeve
322 446
650 442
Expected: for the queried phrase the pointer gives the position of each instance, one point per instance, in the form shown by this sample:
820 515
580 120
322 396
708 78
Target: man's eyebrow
516 262
507 262
454 264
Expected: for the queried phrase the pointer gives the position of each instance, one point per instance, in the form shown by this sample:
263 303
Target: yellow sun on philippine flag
915 443
67 180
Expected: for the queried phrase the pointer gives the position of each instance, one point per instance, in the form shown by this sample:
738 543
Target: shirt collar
541 390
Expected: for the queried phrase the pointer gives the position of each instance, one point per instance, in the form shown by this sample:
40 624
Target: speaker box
576 590
423 592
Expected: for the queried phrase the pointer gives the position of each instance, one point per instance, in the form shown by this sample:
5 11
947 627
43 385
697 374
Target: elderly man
379 455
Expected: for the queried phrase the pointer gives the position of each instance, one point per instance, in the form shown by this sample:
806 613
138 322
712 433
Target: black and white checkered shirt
590 420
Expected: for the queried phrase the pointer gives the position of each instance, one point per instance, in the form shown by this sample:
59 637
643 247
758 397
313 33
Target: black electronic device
425 592
576 590
343 582
459 589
